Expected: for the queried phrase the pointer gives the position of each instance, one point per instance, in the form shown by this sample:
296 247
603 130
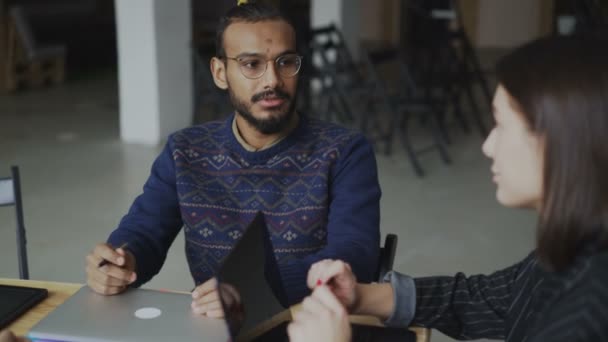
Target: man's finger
99 277
93 259
216 313
103 289
204 288
118 273
203 309
209 297
105 252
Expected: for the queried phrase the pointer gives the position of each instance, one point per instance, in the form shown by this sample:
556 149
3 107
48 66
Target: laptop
252 270
152 315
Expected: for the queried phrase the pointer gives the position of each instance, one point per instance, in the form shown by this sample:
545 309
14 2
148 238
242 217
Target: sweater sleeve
468 307
153 221
353 233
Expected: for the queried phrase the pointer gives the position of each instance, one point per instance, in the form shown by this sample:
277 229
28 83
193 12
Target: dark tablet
16 300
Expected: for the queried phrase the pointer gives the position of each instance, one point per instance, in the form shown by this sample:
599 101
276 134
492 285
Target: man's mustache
270 93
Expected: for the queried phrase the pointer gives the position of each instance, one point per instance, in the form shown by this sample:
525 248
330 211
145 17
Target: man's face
266 102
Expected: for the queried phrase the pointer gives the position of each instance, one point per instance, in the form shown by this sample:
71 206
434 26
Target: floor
78 179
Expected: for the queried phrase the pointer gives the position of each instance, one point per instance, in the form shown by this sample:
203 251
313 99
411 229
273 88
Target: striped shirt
521 303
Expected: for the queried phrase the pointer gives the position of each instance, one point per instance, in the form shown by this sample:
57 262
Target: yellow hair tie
241 2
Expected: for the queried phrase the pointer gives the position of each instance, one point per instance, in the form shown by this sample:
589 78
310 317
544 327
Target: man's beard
272 125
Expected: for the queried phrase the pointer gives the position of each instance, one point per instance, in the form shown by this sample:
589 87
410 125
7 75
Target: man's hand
206 299
321 318
116 275
339 278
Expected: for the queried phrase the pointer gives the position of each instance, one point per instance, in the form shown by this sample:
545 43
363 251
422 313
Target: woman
550 153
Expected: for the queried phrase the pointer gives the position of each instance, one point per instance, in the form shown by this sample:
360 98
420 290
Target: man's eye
251 64
286 62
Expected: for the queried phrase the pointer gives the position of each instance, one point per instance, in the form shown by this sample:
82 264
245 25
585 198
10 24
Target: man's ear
218 70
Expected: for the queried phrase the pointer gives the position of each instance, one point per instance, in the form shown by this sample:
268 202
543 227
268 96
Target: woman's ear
218 70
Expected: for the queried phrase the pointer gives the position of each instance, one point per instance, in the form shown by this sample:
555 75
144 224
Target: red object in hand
319 282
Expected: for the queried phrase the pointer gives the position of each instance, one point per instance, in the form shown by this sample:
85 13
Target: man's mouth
271 101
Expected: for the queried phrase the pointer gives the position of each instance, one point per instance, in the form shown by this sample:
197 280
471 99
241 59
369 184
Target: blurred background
90 89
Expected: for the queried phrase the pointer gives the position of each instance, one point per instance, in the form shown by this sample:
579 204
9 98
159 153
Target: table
60 292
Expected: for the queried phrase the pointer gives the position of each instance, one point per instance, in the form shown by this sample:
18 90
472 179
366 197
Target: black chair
337 74
387 256
447 58
403 100
349 93
10 195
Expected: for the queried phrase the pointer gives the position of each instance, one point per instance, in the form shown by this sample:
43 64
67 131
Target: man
315 182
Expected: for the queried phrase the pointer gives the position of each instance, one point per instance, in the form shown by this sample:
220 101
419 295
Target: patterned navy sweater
318 189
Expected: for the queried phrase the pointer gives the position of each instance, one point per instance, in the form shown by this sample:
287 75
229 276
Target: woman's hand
339 278
321 318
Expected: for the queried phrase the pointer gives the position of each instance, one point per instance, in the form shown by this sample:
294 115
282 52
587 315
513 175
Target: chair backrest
387 256
331 40
10 195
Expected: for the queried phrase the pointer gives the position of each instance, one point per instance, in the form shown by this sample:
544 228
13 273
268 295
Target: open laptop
150 315
252 270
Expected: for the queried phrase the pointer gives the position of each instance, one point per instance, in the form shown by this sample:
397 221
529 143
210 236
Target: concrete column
345 14
3 45
155 68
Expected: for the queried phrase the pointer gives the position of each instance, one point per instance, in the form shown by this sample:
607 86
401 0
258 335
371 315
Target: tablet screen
16 300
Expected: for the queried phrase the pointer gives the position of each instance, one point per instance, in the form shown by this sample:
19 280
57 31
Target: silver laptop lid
136 315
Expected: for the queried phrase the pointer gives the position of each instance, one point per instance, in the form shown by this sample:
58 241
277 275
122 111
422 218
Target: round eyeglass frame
276 63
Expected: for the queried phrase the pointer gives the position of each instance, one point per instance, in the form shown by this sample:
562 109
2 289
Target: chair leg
474 60
405 139
437 136
21 239
475 110
464 123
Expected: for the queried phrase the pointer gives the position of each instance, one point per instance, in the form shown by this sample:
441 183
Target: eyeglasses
254 67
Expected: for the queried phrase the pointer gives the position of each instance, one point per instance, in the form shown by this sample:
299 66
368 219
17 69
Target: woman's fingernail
319 282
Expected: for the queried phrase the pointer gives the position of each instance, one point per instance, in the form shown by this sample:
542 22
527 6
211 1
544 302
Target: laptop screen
251 272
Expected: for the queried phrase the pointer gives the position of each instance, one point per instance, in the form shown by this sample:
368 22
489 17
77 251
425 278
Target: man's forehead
263 37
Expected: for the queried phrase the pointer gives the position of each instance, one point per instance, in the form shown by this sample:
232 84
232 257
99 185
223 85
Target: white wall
155 71
325 12
344 13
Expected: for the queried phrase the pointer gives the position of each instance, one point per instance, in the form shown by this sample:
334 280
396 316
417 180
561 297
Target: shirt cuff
404 297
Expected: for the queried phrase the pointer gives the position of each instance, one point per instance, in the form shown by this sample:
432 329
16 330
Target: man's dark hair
560 86
248 13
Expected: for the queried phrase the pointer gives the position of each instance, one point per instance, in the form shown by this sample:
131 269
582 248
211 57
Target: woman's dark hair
250 13
560 85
